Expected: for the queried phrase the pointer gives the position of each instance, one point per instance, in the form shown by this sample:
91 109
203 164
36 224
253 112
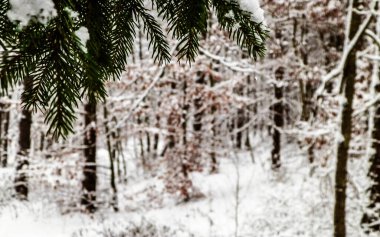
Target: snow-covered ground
242 199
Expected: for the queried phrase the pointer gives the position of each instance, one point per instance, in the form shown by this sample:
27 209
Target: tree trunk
111 146
240 120
185 160
4 126
372 214
141 143
156 137
46 143
278 119
89 169
195 152
198 102
348 83
214 162
22 162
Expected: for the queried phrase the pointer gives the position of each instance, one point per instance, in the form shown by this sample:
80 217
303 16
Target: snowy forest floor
244 198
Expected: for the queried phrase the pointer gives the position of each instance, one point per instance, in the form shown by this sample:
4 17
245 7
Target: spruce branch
249 34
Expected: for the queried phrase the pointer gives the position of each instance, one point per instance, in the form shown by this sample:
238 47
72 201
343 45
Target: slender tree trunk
42 141
4 126
46 142
198 115
119 155
22 161
278 119
156 137
171 136
171 127
185 161
141 144
195 152
348 78
249 93
148 141
372 214
214 162
248 115
111 146
240 120
89 169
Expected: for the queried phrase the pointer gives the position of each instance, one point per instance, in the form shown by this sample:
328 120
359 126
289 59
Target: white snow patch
73 14
230 14
253 6
23 10
83 35
339 137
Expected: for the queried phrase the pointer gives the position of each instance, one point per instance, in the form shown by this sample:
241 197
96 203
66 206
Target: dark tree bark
42 141
185 159
348 84
278 119
148 141
22 162
214 162
250 94
46 142
171 136
89 170
373 214
198 115
240 121
4 126
307 92
171 123
156 137
195 151
141 143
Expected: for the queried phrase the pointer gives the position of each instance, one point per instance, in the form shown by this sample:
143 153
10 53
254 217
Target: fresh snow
23 10
244 198
83 35
253 6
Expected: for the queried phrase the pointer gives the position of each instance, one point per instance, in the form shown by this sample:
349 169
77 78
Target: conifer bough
62 67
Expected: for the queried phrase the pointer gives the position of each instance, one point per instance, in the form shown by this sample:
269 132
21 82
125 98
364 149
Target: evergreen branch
166 8
55 81
123 34
12 69
58 72
249 34
98 60
7 28
20 57
187 21
157 38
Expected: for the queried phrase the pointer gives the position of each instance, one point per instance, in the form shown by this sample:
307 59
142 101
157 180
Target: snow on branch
234 66
156 79
347 50
23 11
373 36
367 106
253 7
